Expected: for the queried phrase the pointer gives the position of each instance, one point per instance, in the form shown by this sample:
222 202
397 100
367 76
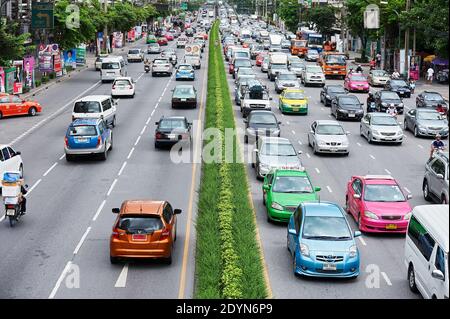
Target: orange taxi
11 105
144 229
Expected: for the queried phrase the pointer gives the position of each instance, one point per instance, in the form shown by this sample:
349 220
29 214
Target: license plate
335 72
334 149
183 100
351 115
329 267
10 212
391 226
139 237
172 136
295 109
82 140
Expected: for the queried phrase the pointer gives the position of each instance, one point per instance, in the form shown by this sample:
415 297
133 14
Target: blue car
88 137
185 72
321 241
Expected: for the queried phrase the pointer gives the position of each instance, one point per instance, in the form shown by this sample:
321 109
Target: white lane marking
111 187
153 112
122 280
143 130
50 169
2 218
321 108
307 155
300 142
420 146
160 98
82 240
99 210
371 156
362 240
406 189
139 77
33 187
317 170
34 127
137 140
148 120
359 144
122 168
386 278
287 122
131 152
293 132
156 105
60 279
64 155
387 171
329 189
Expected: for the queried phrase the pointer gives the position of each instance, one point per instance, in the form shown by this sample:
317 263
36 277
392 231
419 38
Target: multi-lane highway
60 249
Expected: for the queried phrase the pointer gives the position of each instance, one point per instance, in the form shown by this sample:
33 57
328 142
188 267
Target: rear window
87 107
121 82
134 51
172 124
141 224
110 65
83 130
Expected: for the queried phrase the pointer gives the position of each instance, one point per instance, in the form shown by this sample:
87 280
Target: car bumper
315 81
331 73
404 94
246 110
185 76
278 215
309 267
184 104
161 71
332 149
163 251
349 116
387 139
294 110
432 133
384 226
135 58
84 151
363 89
122 92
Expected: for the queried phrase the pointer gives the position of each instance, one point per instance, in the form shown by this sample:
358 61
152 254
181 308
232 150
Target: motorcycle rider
23 199
359 69
370 100
441 109
412 85
436 145
392 110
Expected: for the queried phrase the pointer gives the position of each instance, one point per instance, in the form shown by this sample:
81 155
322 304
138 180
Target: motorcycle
371 107
13 208
412 86
147 68
13 197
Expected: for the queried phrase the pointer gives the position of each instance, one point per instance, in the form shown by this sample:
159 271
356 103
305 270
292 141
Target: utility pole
408 7
105 30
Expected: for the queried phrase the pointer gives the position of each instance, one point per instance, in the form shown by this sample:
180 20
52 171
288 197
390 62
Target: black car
261 123
329 92
398 86
171 130
347 106
184 95
430 99
383 99
442 76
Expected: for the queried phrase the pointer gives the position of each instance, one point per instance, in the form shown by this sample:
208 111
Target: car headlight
304 250
328 97
276 206
370 215
353 251
264 166
401 104
407 216
384 103
421 127
321 143
399 132
375 132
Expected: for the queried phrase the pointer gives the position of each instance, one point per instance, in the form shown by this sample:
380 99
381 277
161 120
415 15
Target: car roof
94 98
181 86
4 145
328 122
173 118
272 139
378 179
89 121
144 207
326 209
435 218
293 90
123 78
290 172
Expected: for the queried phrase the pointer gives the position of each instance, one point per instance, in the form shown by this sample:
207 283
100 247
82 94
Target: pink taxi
356 82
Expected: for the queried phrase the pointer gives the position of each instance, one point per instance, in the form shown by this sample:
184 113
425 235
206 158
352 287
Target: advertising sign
18 76
2 80
70 58
9 80
131 35
28 71
118 39
45 56
57 65
81 54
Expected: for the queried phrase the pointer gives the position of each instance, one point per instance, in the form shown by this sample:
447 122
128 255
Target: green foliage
11 45
37 83
323 18
288 11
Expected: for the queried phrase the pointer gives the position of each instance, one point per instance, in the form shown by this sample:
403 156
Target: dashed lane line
317 170
131 153
33 187
371 156
386 278
122 280
62 156
387 171
137 140
143 129
50 169
83 238
329 189
60 279
99 210
111 187
122 168
362 241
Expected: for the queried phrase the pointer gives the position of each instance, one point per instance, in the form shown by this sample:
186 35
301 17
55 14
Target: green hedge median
228 259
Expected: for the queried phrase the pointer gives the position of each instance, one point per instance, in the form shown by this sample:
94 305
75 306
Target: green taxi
151 38
293 101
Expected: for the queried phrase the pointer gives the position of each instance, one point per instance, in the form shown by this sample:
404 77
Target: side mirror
317 189
356 196
409 196
440 176
115 210
279 122
437 274
17 153
156 123
266 187
292 231
26 185
270 98
357 233
300 152
177 211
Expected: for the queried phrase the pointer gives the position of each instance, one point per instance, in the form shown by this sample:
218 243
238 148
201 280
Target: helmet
370 94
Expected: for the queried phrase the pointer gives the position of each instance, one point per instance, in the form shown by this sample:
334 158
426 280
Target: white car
10 160
181 42
313 74
328 136
123 86
193 60
96 106
162 66
381 127
135 55
99 60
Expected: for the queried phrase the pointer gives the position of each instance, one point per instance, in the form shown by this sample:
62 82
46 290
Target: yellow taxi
293 101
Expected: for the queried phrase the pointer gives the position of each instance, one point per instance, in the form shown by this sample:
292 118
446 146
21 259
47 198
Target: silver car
244 73
426 122
193 60
274 152
261 123
135 55
378 77
297 68
162 66
435 180
286 80
327 136
313 74
265 65
153 48
312 55
381 127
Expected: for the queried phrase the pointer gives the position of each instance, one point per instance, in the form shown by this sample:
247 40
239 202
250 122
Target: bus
315 40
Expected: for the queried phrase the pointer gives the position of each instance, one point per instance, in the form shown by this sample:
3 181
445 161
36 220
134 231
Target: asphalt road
60 249
383 274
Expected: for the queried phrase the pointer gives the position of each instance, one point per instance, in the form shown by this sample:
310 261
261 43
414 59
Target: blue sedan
185 72
321 242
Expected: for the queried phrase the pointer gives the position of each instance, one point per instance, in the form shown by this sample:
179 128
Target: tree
12 45
287 10
355 23
323 18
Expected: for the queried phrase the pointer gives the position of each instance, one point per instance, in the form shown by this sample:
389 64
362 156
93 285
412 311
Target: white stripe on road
329 189
131 152
420 146
99 210
122 280
386 278
60 279
359 144
64 155
149 118
143 130
33 187
293 132
307 155
121 169
81 241
50 169
287 122
317 170
137 140
406 189
153 112
387 171
2 218
362 240
300 142
371 156
112 187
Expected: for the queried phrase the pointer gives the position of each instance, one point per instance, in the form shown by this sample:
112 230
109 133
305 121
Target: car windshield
279 66
350 102
244 63
429 116
140 225
83 130
326 228
121 82
245 71
263 119
183 91
87 107
384 120
160 61
335 60
297 65
287 76
383 193
313 69
172 124
134 51
390 96
241 54
292 184
278 149
185 67
110 65
358 78
313 52
433 97
294 95
330 129
380 73
398 83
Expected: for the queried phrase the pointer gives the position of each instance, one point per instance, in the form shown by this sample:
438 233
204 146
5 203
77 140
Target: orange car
11 105
144 229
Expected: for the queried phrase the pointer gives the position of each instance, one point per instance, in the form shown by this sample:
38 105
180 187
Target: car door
323 94
419 100
365 122
312 134
7 163
297 226
346 82
437 183
14 160
268 180
5 105
170 220
355 203
438 262
410 119
18 105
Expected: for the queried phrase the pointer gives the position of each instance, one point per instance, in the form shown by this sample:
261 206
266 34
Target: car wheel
168 260
369 138
156 145
104 155
21 170
412 279
1 115
245 139
32 111
111 143
114 121
314 149
69 157
264 199
294 265
426 191
416 131
114 260
405 126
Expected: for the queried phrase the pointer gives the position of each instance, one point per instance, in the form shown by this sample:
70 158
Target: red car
168 36
162 41
260 58
11 105
356 82
378 204
205 36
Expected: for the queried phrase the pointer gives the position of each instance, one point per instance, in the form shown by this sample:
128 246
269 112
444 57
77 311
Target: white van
96 106
240 53
113 67
10 160
426 251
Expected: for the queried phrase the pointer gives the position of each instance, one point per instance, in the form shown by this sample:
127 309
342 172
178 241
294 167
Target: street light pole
408 6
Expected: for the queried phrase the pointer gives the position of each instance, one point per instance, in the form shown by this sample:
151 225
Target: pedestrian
378 59
430 73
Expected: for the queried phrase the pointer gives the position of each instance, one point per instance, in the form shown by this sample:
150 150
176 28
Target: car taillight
165 234
66 141
113 87
9 206
158 135
130 87
99 140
